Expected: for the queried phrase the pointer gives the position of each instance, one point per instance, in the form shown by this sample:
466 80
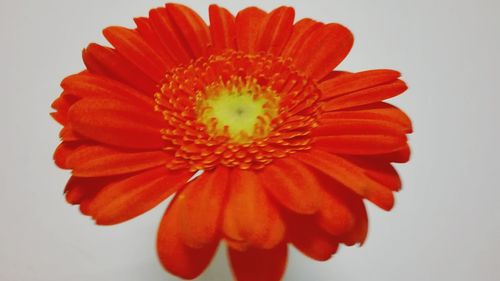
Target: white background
446 223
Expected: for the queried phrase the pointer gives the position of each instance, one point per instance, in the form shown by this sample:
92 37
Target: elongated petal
293 185
359 144
201 204
170 36
222 28
336 216
276 30
359 136
323 50
108 62
340 127
248 25
83 190
349 175
67 134
249 216
96 161
131 45
175 256
344 214
258 264
96 86
352 82
366 96
192 28
301 30
377 111
379 170
77 189
133 196
149 34
310 239
62 105
117 123
400 156
63 151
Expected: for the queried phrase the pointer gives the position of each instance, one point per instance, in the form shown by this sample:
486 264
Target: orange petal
336 216
68 135
366 96
96 86
148 33
358 136
301 30
117 123
192 28
222 28
330 127
349 175
400 156
352 82
108 62
381 171
133 196
96 161
83 190
77 189
310 239
349 226
359 144
276 30
248 25
250 216
131 45
175 256
378 111
323 50
258 264
293 185
63 151
170 36
201 204
62 105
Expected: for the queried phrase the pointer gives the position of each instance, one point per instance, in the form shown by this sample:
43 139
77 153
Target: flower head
289 148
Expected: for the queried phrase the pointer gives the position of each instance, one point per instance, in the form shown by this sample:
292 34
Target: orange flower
289 147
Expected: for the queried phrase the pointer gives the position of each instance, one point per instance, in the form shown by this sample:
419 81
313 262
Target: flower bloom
289 148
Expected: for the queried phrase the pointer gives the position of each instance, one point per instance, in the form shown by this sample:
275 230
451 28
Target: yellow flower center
241 111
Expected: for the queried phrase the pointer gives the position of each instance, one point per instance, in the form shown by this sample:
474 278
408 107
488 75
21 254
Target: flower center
237 110
241 111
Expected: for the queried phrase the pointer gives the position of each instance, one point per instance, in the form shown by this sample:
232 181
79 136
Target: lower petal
350 175
293 185
381 171
201 204
178 258
258 264
133 196
310 239
344 214
250 217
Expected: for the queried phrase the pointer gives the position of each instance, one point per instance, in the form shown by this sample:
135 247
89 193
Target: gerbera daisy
288 147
